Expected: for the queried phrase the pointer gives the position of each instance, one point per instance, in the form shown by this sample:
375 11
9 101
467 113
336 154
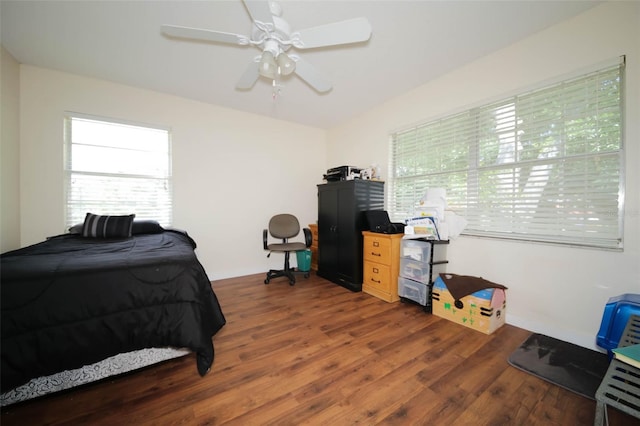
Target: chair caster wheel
292 283
266 281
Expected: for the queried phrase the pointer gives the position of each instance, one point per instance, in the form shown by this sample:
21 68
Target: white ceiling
413 42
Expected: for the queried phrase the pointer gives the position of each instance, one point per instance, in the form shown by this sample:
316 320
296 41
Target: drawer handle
376 254
376 281
376 244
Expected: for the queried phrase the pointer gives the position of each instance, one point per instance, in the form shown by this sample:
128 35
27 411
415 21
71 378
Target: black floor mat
570 366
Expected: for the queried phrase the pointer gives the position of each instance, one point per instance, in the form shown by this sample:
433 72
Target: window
116 169
544 166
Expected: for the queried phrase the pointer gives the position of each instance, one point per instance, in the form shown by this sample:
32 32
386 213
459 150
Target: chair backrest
284 226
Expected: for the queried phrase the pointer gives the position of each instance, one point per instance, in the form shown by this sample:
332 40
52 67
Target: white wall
232 171
9 152
554 290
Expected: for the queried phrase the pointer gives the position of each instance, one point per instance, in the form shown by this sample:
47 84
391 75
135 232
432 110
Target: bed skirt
112 366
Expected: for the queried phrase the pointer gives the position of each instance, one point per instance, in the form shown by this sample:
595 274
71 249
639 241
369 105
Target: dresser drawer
377 276
377 249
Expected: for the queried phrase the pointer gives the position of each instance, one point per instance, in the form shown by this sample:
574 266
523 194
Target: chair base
276 273
286 272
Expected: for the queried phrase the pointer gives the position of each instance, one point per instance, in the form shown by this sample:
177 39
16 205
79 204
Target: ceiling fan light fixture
268 66
273 36
286 65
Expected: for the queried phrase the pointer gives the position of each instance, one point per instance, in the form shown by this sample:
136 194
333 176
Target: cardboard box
484 310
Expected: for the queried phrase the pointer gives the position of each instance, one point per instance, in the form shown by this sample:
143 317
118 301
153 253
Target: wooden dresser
381 254
314 246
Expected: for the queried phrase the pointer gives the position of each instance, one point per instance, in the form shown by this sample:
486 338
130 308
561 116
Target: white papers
440 223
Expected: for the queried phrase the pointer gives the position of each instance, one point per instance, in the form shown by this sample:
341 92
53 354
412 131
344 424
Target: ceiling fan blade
259 11
206 35
250 75
343 32
311 75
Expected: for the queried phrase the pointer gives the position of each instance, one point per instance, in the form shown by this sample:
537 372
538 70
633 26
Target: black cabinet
341 220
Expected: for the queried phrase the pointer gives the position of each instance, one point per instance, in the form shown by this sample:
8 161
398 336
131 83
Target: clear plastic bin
419 271
417 250
412 290
420 251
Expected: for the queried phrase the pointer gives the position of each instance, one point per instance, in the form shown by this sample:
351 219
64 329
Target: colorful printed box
484 310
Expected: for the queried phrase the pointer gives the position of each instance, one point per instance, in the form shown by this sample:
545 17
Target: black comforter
72 301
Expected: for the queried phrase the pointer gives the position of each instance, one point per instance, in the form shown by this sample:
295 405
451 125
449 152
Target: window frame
165 219
399 197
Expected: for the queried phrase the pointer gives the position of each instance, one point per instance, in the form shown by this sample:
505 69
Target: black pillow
146 227
76 229
96 226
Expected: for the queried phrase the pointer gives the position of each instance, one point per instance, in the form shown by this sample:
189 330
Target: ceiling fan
274 37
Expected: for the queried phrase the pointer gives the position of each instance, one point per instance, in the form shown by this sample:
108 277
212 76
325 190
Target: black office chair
283 227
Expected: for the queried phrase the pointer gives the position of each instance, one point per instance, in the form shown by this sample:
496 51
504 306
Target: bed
75 301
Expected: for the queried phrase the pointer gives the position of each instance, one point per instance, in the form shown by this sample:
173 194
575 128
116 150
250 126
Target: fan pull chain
275 92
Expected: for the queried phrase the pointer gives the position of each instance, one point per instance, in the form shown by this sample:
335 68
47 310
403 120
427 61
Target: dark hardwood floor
316 353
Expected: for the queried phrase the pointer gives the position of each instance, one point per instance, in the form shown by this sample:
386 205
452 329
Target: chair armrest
308 239
264 239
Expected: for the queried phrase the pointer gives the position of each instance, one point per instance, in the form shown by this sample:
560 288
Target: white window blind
115 168
545 166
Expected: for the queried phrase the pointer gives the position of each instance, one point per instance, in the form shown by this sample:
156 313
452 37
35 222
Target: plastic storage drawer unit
419 251
416 250
419 271
412 290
